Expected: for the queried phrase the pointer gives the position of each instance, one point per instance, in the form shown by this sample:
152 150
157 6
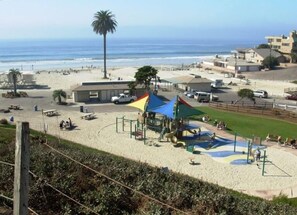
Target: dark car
292 97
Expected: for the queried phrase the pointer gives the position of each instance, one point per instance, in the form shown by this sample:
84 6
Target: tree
14 74
270 62
263 46
144 76
245 93
59 94
103 23
293 57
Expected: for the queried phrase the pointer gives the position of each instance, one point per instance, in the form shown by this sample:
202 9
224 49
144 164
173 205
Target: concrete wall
81 96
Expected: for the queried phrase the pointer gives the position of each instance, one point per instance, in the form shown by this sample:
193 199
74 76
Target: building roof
111 86
242 50
188 80
267 52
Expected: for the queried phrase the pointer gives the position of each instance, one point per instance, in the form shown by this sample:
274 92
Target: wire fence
98 173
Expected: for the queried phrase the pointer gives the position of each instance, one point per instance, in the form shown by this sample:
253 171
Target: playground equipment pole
117 124
235 141
131 128
248 152
144 135
264 163
135 132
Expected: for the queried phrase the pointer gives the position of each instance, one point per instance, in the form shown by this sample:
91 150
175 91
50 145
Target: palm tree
14 74
103 23
59 94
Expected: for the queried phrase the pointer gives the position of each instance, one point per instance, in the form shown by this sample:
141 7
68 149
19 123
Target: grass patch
247 126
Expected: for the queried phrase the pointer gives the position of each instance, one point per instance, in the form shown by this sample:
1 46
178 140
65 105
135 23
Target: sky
204 19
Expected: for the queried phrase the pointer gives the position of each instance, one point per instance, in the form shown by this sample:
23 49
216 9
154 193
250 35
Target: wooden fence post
21 170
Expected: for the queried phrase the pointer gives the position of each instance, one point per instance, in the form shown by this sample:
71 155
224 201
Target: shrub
3 122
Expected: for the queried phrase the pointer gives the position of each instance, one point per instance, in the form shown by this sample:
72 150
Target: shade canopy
147 102
177 108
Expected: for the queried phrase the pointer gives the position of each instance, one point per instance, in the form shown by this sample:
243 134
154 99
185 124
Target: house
258 55
102 91
283 44
233 65
191 82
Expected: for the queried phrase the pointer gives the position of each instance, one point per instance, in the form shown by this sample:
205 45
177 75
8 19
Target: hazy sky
225 19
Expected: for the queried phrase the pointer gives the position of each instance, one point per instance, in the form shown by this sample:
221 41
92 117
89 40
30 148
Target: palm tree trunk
104 45
14 85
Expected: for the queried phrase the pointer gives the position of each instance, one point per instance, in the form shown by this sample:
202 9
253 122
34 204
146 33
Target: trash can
81 108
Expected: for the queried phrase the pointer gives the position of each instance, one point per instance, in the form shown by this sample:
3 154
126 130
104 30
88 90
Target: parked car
123 98
260 94
202 96
190 94
292 97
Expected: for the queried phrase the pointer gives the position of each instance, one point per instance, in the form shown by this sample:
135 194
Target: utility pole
21 169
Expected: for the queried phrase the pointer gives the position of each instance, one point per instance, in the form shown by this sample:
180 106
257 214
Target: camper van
202 96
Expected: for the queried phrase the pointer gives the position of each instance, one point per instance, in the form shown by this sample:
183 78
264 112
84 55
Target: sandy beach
100 133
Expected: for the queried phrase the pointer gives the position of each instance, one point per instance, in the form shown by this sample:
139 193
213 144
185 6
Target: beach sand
281 173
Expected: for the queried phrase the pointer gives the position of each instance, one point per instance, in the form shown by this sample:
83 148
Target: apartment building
283 44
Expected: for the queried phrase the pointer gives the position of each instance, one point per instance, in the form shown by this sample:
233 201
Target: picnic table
88 116
14 107
52 112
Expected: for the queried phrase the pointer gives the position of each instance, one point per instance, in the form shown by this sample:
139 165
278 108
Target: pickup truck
123 98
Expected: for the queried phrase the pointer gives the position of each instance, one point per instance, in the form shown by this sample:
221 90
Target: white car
260 94
123 98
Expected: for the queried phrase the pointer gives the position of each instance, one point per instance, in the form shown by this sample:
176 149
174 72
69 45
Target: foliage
263 46
247 125
103 23
284 199
245 93
144 76
293 57
270 62
294 82
188 194
14 73
3 121
59 94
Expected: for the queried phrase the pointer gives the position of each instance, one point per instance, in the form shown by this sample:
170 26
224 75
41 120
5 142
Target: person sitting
67 125
62 124
279 139
293 143
70 122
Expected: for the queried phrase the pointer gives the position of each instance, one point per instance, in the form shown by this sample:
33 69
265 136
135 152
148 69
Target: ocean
28 55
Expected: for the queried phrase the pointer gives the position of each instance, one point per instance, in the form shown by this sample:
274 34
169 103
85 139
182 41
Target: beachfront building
102 91
232 65
284 44
190 82
258 55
